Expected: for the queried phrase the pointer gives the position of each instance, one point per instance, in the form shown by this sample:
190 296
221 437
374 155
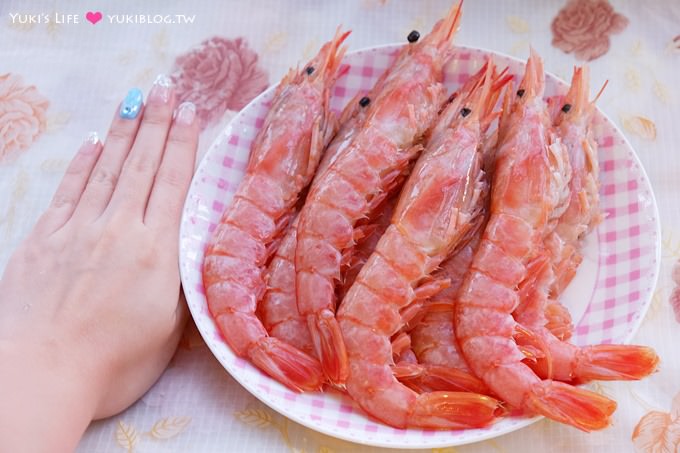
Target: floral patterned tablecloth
64 65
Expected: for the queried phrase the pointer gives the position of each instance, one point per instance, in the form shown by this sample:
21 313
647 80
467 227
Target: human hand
89 310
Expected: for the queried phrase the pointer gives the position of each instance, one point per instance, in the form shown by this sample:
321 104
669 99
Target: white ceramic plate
608 297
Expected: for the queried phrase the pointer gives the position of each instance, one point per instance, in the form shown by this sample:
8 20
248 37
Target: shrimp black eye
566 108
309 70
465 112
364 101
413 36
520 92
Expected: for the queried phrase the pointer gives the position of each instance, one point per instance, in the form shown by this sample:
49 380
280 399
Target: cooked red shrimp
583 211
582 214
437 207
278 308
283 159
524 194
439 365
568 362
361 178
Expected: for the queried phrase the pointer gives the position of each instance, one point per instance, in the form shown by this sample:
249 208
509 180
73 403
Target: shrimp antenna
335 53
453 27
501 79
601 91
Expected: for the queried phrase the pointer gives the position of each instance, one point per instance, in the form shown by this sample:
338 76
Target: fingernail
132 104
92 138
160 91
186 113
90 143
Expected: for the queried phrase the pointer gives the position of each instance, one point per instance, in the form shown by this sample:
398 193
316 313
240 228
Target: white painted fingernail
186 113
161 88
92 138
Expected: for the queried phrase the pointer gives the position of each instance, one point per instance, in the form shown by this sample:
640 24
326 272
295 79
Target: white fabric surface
84 70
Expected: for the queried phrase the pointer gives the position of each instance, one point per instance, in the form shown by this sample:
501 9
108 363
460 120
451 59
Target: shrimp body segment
525 192
437 206
283 159
361 177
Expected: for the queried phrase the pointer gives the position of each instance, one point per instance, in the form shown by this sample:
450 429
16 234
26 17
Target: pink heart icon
93 17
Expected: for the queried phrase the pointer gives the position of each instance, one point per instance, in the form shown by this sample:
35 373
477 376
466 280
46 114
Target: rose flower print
675 294
220 74
22 115
584 26
659 432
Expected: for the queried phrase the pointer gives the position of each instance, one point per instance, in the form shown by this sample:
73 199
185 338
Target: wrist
43 392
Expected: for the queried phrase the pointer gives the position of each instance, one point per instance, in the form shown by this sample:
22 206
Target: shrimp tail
328 341
607 362
447 410
437 377
287 364
575 406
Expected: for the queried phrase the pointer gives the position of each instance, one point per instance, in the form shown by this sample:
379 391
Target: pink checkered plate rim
608 297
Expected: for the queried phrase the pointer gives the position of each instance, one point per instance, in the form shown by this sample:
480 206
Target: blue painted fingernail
132 104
